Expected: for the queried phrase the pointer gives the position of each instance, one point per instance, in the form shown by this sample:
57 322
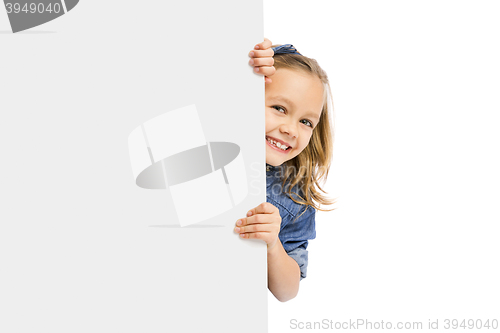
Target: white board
83 248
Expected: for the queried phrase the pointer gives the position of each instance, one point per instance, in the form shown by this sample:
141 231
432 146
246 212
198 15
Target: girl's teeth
277 144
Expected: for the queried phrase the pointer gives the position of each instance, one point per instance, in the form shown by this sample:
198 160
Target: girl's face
294 101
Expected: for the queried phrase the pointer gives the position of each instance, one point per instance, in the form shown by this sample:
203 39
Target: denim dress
294 233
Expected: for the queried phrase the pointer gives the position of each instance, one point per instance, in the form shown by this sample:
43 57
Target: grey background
82 248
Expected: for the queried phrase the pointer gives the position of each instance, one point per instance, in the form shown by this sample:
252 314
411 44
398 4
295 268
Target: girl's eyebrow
284 99
313 115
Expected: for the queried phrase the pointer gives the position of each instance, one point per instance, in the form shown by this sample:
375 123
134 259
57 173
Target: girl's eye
277 107
308 123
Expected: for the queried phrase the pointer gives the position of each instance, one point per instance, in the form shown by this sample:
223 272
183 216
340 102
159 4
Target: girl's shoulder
290 207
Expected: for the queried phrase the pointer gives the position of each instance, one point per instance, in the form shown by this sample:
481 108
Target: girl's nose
289 129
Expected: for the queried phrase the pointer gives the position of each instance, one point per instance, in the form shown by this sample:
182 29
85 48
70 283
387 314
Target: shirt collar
274 170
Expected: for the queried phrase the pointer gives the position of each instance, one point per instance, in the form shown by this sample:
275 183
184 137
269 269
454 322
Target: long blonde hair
313 163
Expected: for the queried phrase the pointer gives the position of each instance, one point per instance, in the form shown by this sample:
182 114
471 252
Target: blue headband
286 48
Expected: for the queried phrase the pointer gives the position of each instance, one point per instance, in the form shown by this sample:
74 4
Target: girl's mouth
280 150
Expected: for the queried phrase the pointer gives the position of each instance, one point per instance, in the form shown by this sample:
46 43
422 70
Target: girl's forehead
293 80
298 90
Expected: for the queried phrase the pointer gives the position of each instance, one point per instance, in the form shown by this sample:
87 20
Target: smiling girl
299 141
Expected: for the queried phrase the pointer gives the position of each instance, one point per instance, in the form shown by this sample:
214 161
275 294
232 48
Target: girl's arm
283 273
264 222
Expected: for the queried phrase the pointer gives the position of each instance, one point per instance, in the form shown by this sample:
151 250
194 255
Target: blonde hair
313 163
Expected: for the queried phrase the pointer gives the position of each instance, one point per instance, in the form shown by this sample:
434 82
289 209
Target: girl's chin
275 160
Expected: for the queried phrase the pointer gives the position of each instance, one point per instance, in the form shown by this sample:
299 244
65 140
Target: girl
298 154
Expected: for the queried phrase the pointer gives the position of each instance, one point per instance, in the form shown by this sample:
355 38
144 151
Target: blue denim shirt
294 235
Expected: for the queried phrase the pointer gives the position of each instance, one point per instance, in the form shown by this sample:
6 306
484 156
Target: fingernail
252 54
238 222
257 47
250 62
242 235
237 229
256 69
249 213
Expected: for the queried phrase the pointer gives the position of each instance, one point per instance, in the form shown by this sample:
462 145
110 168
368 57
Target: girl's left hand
262 222
262 59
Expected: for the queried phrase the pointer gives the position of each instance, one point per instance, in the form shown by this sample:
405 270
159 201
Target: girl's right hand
262 59
262 222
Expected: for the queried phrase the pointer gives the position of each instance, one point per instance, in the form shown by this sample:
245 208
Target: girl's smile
283 146
294 101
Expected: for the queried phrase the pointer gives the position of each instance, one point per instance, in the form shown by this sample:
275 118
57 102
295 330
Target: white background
415 87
